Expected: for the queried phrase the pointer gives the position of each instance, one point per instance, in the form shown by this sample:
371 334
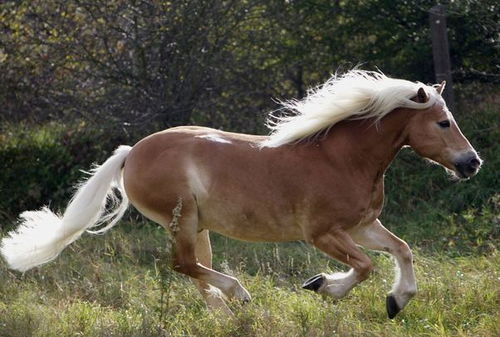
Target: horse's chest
375 205
369 216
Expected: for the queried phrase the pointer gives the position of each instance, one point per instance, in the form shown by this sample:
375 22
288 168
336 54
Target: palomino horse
318 177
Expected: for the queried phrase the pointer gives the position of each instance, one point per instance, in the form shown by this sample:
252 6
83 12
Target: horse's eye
444 124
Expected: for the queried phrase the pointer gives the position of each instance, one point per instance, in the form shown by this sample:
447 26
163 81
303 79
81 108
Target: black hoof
392 307
314 283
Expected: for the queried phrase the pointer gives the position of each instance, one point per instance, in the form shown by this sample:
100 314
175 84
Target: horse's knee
363 269
403 251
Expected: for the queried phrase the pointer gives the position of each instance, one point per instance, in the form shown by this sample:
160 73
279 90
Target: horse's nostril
474 162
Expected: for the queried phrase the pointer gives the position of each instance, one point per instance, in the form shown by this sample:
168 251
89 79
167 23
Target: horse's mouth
459 175
464 173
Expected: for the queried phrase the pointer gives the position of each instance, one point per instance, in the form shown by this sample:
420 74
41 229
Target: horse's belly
248 226
253 233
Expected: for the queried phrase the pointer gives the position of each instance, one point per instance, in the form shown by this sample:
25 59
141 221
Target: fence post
440 52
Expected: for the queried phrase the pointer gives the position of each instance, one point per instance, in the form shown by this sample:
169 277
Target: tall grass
114 285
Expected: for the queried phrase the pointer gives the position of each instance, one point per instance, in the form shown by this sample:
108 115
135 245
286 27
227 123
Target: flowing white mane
358 94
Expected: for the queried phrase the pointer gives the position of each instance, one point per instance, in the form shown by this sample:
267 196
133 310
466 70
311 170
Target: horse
317 177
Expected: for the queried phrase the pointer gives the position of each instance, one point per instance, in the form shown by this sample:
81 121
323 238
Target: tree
147 65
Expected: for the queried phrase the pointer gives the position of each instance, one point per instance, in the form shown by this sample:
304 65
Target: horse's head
433 133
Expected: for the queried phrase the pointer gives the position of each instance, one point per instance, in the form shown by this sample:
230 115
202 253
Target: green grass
115 285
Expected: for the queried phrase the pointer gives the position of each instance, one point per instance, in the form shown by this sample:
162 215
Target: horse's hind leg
375 236
184 225
340 246
204 256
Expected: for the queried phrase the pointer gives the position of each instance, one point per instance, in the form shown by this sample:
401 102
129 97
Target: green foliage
218 63
40 166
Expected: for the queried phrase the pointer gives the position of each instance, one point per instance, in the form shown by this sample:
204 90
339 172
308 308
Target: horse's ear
422 96
440 87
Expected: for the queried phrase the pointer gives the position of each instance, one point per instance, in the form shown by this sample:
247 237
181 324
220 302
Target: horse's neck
370 146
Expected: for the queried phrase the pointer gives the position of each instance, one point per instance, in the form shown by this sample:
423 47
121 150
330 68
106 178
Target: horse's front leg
375 236
339 245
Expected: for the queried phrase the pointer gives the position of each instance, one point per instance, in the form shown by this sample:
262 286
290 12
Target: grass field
117 285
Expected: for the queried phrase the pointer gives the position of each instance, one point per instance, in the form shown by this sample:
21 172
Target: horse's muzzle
468 165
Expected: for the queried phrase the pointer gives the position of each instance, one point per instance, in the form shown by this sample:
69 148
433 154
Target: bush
40 165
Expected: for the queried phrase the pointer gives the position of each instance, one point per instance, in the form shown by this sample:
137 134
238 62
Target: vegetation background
80 77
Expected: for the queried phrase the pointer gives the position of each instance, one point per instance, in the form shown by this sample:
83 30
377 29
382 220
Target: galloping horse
318 177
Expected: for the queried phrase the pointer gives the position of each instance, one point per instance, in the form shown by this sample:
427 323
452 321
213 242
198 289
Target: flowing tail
42 235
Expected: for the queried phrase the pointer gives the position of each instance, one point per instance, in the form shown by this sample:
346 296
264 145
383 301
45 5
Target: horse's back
181 162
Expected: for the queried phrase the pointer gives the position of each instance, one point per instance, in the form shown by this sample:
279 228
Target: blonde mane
357 94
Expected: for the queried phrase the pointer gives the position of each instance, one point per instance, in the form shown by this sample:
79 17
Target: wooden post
440 52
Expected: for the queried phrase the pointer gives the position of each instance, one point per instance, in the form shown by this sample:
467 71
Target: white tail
42 235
